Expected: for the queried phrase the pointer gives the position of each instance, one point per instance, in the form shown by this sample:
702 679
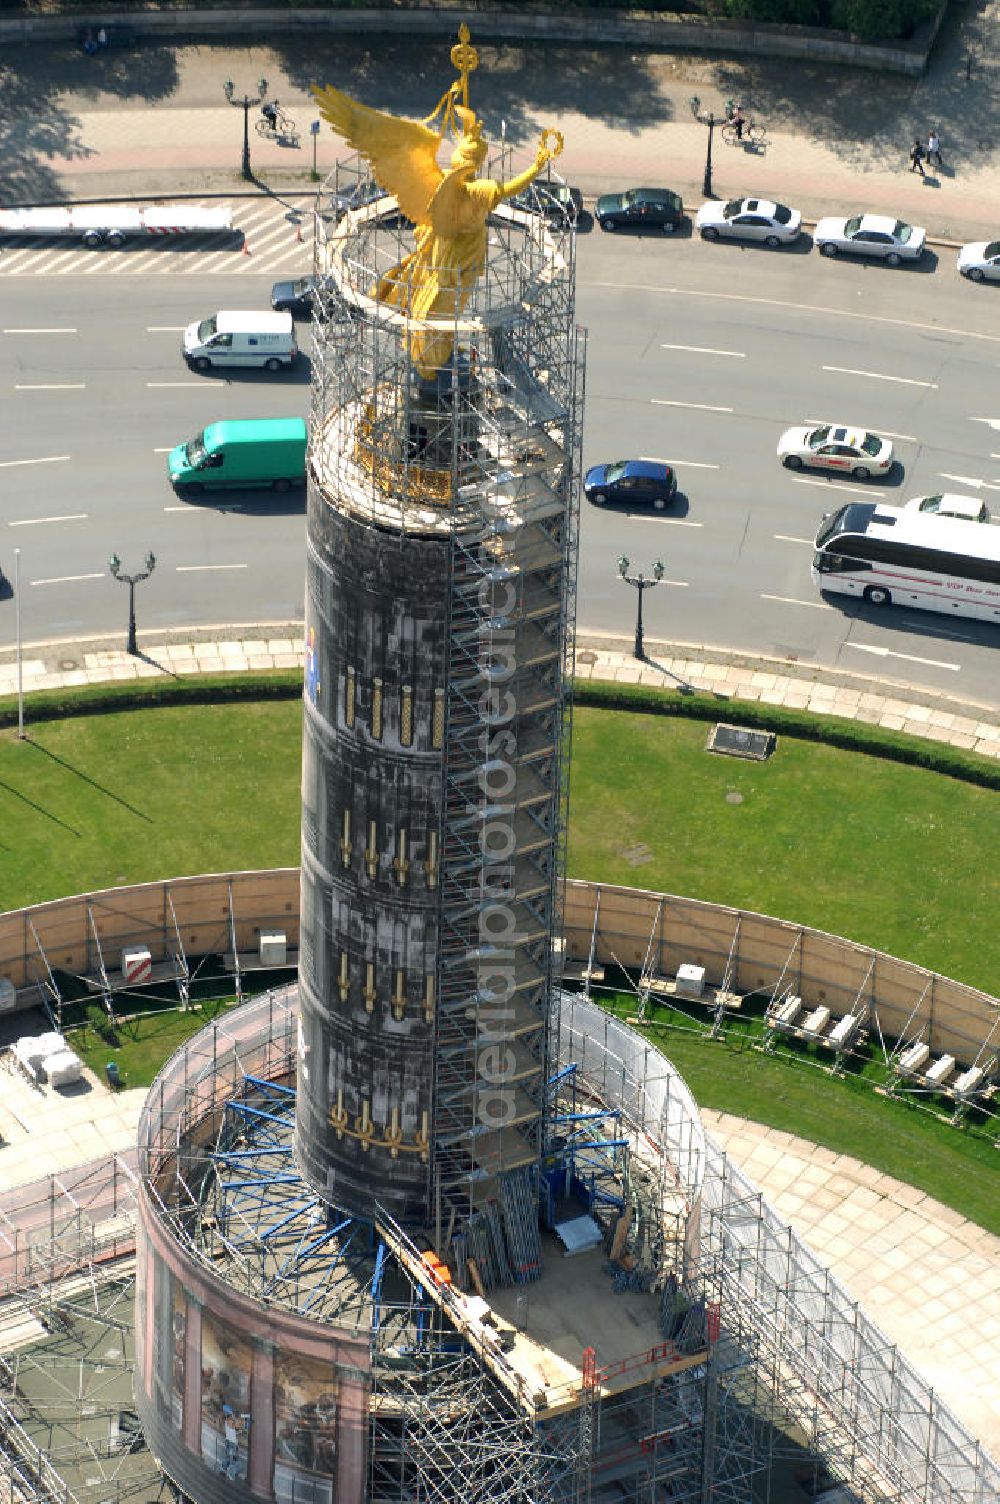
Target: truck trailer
112 224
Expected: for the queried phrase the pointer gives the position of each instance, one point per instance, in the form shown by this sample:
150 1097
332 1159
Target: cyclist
738 120
270 114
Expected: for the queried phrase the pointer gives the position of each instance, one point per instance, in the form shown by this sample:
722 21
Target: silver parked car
980 261
749 219
891 240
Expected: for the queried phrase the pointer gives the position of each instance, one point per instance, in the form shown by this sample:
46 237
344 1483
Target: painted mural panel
305 1430
178 1339
226 1363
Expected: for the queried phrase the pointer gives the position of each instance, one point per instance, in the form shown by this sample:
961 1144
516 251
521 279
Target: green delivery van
241 452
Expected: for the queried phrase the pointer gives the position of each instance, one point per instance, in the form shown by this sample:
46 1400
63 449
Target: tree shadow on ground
513 85
869 117
37 125
872 118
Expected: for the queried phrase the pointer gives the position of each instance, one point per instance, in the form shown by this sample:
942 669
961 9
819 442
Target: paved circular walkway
729 674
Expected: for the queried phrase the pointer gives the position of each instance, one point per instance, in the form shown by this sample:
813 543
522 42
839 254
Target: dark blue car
632 483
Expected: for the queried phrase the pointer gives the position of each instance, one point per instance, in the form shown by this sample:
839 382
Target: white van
947 504
241 339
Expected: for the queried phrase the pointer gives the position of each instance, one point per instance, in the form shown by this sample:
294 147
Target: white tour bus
898 556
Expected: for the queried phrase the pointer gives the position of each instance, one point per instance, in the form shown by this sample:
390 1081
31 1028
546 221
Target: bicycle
276 127
753 134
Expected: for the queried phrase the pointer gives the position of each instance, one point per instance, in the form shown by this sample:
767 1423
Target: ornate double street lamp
711 122
131 580
248 102
641 583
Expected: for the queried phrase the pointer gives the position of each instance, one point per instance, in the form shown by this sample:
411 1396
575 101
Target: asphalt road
698 354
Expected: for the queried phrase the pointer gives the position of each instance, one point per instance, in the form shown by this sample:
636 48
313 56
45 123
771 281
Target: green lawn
103 800
894 857
143 1044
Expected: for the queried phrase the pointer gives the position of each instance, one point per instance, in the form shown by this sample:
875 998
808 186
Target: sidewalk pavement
927 1277
725 673
152 121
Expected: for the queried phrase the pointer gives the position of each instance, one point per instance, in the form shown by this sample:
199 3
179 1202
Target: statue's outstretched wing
403 153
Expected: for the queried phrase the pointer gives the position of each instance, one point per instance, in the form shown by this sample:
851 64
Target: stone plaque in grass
740 741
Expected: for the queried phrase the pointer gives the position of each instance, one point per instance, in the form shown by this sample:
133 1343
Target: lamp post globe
246 104
131 580
640 583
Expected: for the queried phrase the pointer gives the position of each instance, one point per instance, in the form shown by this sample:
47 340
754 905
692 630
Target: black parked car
652 208
634 483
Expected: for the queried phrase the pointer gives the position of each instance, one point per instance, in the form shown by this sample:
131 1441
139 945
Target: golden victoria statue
449 209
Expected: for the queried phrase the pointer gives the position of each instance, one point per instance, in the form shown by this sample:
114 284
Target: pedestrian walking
934 149
917 158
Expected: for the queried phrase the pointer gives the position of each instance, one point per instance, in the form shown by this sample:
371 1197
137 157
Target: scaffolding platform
249 960
534 1339
795 1019
115 981
966 1086
579 971
713 997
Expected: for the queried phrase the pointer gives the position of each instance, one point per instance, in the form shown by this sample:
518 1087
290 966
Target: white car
946 504
850 451
980 261
892 240
748 219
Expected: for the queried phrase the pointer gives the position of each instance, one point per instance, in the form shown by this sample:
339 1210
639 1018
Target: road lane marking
49 459
993 422
680 584
65 386
200 568
806 480
790 600
165 328
40 331
705 407
789 538
706 350
678 522
970 480
169 449
810 308
68 579
879 376
867 647
175 383
191 511
654 459
35 521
